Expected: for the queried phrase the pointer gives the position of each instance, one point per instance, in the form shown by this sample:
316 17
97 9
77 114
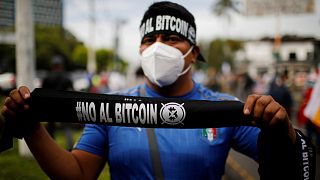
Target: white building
295 54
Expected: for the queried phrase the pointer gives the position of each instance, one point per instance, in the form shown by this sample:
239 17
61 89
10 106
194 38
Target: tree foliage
51 41
220 51
225 7
79 55
104 59
7 58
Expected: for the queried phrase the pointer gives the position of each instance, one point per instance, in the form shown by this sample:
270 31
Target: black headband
169 24
169 18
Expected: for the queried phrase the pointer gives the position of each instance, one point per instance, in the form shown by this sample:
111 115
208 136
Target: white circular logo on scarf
172 113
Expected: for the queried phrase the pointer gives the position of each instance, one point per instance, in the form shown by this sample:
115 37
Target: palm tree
225 7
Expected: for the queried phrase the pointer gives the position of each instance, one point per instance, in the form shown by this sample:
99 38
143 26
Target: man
280 92
58 79
168 50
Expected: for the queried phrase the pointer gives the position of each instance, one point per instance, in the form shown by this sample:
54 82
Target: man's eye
147 40
174 38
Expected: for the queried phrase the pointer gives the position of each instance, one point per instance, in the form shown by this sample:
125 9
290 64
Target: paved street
240 167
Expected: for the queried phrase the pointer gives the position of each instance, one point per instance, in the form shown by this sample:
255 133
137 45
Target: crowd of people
294 100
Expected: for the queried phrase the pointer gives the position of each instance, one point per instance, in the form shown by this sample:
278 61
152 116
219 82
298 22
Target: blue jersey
184 153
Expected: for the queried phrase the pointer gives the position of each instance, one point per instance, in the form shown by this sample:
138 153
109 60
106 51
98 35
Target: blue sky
77 15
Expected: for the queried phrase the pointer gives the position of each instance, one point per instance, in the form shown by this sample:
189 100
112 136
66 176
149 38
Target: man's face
171 40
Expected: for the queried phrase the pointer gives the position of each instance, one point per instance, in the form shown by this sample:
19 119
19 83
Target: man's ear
195 53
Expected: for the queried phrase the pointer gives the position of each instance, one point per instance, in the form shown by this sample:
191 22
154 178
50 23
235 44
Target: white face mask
163 64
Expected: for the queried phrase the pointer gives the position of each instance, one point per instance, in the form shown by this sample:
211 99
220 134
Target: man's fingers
7 113
250 103
271 110
265 111
280 117
16 97
12 105
24 92
16 102
260 105
19 96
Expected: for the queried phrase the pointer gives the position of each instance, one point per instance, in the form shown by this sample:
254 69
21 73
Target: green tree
80 55
104 59
220 51
52 41
123 66
226 7
7 58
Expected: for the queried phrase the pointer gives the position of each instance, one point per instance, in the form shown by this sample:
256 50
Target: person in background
212 83
242 85
168 50
280 92
58 79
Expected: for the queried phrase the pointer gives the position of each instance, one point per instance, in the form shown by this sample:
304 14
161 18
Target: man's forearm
56 162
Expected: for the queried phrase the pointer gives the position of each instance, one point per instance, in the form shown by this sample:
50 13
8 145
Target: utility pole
118 24
91 64
25 65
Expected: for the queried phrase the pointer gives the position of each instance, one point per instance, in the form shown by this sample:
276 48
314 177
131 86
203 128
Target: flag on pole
312 111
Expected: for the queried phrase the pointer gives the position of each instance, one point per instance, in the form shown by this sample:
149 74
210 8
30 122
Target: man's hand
15 103
268 114
15 110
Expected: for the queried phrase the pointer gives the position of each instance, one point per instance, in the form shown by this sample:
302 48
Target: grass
15 167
